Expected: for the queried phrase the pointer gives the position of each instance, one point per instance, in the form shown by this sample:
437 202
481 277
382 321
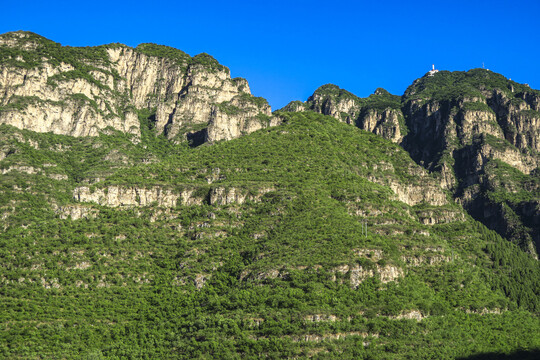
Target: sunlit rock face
45 87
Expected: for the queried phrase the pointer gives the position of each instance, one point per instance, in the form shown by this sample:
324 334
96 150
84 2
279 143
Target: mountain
46 87
309 239
477 131
380 113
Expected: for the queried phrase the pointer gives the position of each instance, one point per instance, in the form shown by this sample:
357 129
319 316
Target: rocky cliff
477 131
158 196
379 113
46 87
480 131
312 235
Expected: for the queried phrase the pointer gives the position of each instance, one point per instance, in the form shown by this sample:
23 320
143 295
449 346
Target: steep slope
46 87
379 113
255 247
481 131
478 131
121 239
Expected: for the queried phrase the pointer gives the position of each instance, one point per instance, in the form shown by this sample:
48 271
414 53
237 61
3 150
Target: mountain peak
381 91
24 39
446 85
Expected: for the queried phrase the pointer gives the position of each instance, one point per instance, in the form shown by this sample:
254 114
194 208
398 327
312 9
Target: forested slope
254 247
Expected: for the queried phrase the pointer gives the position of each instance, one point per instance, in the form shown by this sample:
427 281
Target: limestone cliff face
237 117
358 273
379 113
473 131
31 100
45 87
336 102
121 196
465 127
384 123
151 80
132 196
443 118
212 98
518 116
437 129
428 191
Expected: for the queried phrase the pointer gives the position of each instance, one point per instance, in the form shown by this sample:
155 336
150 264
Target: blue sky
286 49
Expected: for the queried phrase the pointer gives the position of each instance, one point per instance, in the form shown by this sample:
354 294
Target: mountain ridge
82 91
455 124
307 234
350 229
471 118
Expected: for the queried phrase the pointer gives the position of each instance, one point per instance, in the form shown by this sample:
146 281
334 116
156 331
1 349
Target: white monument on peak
433 71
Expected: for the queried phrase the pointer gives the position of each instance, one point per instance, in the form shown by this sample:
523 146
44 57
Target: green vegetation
178 56
334 92
31 48
294 106
228 108
245 279
263 119
382 100
531 114
495 142
510 185
455 85
476 106
258 102
27 50
208 62
289 242
83 72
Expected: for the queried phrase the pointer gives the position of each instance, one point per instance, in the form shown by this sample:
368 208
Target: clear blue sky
286 49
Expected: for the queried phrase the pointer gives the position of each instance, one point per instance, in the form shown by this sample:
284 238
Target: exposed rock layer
86 96
131 196
380 113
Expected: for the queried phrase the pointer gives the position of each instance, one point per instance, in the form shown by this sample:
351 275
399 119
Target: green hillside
254 247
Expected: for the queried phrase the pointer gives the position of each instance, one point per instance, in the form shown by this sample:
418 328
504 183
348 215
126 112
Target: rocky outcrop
200 279
47 96
440 125
333 101
473 131
20 168
379 113
212 98
440 216
321 318
238 117
75 212
426 260
32 170
518 116
385 123
410 315
523 162
131 196
102 88
225 196
128 196
437 131
417 194
337 336
359 273
427 191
